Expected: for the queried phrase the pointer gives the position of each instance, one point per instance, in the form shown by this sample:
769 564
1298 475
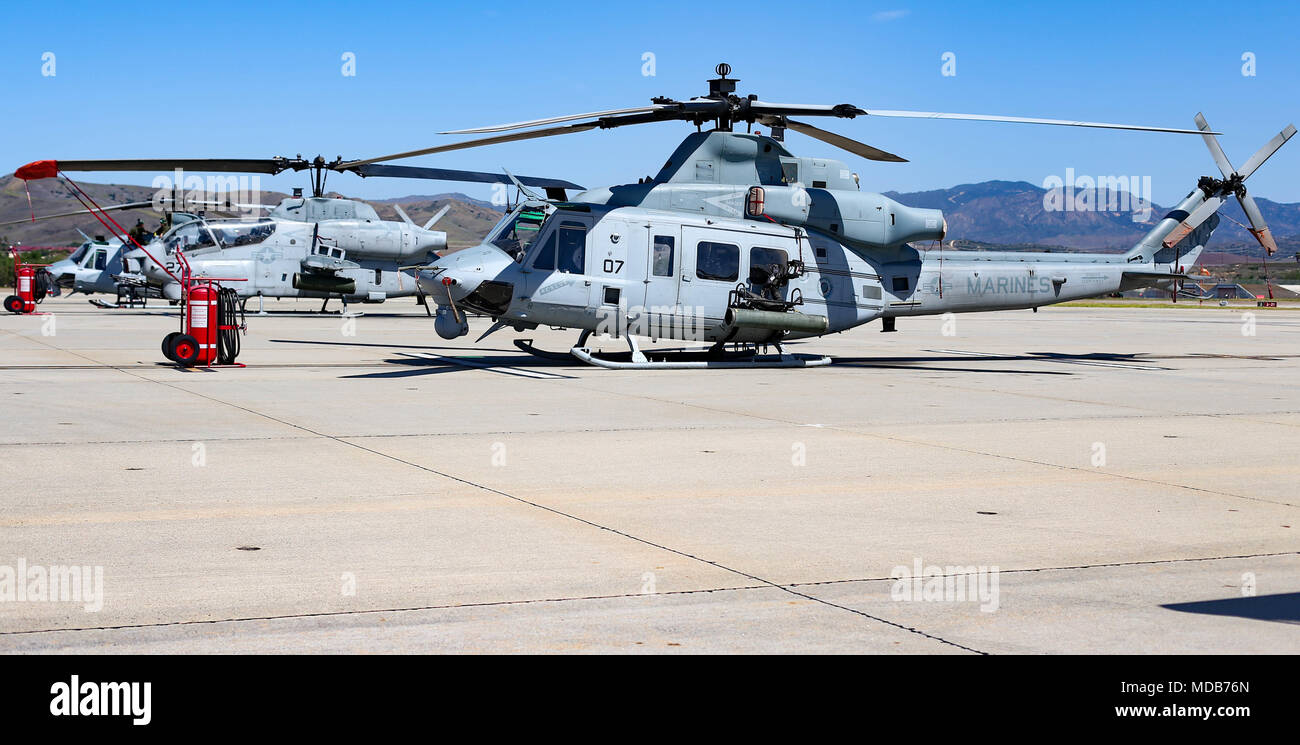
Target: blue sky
265 79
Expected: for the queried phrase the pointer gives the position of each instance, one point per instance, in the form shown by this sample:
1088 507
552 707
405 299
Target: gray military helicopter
739 243
91 267
309 247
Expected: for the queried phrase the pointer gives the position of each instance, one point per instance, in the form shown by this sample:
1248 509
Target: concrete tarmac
1092 479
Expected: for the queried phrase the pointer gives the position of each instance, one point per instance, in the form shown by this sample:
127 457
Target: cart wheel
167 344
185 350
14 304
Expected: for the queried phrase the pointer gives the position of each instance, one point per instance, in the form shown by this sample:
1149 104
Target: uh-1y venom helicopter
91 266
738 241
315 247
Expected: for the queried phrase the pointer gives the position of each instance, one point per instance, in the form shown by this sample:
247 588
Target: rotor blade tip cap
38 170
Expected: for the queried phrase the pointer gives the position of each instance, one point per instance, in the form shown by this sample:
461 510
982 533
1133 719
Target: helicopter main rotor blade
450 174
843 110
549 132
844 143
556 120
1024 120
234 165
74 213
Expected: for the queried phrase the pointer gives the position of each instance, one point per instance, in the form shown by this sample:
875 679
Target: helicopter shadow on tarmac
1281 608
423 359
428 360
939 361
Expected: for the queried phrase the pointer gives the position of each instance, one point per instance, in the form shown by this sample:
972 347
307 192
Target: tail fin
1183 255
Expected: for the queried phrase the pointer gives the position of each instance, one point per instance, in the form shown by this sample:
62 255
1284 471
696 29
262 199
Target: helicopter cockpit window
79 254
242 233
719 261
571 251
545 258
519 234
188 237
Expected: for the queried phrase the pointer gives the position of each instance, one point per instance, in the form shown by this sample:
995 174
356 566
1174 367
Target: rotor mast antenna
723 88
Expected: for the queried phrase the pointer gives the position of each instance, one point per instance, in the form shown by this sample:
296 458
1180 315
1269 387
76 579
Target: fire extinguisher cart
28 284
211 321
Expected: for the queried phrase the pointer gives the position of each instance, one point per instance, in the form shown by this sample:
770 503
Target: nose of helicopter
64 266
457 275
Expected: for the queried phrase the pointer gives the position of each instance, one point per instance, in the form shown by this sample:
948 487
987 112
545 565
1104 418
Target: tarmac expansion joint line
559 513
764 585
762 582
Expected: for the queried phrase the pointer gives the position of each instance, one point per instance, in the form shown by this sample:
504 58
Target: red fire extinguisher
211 320
197 344
28 286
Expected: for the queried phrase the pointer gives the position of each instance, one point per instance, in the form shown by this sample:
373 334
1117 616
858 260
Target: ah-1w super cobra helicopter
317 247
737 241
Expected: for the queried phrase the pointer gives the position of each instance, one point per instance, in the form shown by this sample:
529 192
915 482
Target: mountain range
986 215
1012 213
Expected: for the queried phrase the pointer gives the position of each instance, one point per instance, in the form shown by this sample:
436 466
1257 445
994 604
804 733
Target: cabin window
101 259
759 256
379 276
611 295
662 263
718 261
900 284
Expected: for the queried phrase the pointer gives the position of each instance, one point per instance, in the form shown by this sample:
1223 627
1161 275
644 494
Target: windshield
75 257
190 236
518 234
230 234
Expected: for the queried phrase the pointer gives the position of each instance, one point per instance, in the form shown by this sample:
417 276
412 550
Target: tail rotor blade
1266 152
1257 226
1216 152
1193 220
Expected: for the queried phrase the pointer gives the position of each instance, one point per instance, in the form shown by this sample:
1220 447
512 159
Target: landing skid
110 306
671 359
